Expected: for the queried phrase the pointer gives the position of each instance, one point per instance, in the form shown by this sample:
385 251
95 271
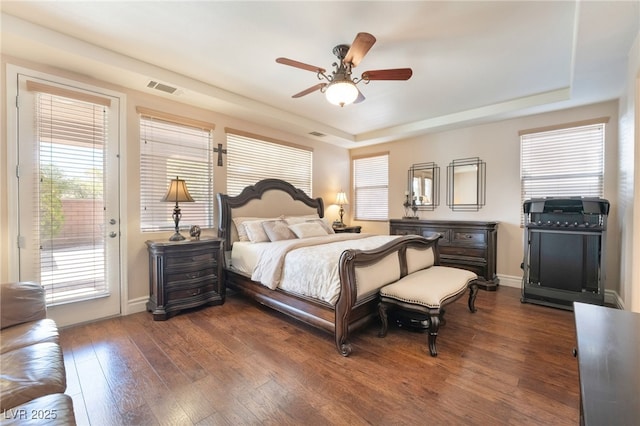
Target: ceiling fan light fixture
342 92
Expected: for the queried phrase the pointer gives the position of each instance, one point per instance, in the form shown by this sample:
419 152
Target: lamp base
176 237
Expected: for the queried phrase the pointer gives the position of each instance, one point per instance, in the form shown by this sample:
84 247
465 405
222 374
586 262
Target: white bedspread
309 266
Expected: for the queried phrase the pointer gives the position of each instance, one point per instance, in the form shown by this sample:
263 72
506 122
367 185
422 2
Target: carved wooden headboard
267 198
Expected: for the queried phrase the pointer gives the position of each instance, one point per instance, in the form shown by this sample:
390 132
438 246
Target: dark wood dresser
468 245
184 274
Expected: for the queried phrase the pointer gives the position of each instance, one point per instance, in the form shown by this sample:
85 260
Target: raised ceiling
472 61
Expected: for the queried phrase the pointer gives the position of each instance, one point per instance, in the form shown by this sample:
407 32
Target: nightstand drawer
198 257
179 294
190 276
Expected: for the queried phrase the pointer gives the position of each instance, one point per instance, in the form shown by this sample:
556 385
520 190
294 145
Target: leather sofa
32 372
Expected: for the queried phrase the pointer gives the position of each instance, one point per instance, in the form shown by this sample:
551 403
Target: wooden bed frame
349 313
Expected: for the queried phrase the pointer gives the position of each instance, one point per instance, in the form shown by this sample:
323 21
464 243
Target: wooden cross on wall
220 151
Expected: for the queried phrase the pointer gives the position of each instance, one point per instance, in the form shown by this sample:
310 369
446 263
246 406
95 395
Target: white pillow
308 229
293 220
324 224
242 232
277 230
255 231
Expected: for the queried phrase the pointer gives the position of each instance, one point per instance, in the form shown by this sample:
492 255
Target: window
169 147
251 158
371 187
567 161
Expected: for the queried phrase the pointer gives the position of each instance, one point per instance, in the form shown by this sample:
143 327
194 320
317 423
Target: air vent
318 134
162 87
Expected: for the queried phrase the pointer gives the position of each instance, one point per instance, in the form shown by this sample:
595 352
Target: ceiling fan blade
309 90
391 74
359 48
301 65
360 97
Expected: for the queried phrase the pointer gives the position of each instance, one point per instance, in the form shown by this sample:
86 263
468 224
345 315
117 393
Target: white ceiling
472 61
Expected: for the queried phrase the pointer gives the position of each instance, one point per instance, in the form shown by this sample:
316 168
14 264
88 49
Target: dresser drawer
468 237
463 251
405 231
430 232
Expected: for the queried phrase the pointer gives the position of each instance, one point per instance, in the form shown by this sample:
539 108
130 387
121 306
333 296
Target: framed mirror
422 188
466 180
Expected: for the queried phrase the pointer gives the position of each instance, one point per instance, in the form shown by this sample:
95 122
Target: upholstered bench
427 291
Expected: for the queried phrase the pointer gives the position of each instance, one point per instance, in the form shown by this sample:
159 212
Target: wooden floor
240 363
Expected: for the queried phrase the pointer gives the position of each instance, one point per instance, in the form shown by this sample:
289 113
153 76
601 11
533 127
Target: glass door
68 189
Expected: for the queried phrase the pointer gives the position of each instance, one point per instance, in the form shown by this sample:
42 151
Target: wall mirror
422 188
466 180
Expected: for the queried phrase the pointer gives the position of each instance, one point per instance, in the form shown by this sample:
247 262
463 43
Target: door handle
113 234
112 221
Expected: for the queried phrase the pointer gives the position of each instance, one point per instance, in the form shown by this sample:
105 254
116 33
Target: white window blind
72 138
371 187
169 149
252 158
564 162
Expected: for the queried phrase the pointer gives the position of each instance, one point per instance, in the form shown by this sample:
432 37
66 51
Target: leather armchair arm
21 302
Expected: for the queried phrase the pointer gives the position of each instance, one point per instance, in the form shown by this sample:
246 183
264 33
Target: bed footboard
364 272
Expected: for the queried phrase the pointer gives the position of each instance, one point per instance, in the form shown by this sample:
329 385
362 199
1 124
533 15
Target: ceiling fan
339 87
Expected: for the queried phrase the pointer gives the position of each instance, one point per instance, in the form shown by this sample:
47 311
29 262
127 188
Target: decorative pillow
324 224
278 230
242 232
308 229
255 231
293 220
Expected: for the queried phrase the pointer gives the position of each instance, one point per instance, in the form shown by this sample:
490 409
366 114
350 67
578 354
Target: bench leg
473 292
382 311
434 325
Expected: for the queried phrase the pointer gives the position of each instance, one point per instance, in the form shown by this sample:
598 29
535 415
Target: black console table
608 354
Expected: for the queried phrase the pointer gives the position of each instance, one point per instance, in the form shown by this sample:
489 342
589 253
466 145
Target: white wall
629 184
498 144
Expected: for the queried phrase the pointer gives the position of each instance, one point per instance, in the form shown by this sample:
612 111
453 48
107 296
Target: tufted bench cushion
427 291
430 287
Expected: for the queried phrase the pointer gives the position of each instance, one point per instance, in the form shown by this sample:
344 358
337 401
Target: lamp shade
341 92
178 192
341 198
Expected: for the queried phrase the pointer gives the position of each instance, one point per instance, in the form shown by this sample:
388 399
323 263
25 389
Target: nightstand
350 229
184 274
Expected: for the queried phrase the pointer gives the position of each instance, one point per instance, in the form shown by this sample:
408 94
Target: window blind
563 162
371 187
169 149
251 158
72 137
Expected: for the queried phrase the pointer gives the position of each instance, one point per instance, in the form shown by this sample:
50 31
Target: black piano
564 251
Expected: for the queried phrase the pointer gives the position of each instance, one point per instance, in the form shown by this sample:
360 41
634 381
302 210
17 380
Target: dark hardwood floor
240 363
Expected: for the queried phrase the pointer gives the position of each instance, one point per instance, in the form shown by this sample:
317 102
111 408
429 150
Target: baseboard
611 297
510 281
135 305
